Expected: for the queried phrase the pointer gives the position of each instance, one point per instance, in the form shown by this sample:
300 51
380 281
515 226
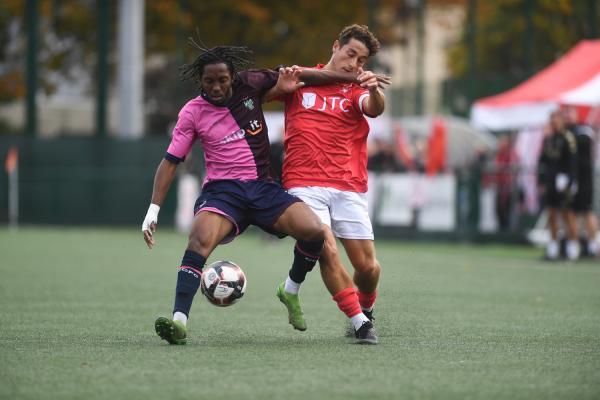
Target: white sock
181 317
572 249
552 250
592 247
291 286
358 320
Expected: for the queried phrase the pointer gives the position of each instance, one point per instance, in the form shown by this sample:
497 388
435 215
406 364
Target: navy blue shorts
245 203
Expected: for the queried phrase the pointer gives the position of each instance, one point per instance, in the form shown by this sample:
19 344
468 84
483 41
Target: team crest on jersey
308 100
249 103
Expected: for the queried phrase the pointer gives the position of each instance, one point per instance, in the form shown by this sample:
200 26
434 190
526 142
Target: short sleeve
260 79
184 135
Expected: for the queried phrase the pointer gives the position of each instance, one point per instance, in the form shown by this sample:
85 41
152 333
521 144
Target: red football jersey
326 137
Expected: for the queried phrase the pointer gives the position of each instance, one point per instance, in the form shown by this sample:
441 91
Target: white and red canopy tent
573 79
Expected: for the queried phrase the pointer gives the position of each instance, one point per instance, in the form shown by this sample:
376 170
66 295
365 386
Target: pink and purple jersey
234 136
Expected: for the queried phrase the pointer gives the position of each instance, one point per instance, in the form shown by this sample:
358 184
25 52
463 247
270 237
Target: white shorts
346 213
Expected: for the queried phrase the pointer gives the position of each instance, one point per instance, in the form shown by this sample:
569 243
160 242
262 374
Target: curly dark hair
235 57
362 34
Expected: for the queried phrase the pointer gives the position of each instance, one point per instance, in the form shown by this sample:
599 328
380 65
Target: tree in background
66 43
279 32
520 37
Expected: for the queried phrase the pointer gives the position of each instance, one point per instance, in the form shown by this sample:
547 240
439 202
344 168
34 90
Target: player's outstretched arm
374 104
287 82
292 78
162 181
318 77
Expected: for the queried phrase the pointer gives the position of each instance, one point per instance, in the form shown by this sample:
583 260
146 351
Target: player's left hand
368 80
289 79
383 80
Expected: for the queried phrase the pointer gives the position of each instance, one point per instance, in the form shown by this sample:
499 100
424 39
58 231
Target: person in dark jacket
556 180
581 204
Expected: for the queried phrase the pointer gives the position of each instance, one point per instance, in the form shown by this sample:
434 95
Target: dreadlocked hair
235 57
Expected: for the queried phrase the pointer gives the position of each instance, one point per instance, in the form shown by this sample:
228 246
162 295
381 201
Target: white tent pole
131 68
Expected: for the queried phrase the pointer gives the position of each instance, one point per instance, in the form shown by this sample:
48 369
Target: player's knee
199 244
325 262
313 231
376 270
369 267
329 249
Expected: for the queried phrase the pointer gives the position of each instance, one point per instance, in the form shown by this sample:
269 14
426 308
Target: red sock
367 300
347 301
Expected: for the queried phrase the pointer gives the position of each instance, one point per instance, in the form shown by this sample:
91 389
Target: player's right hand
149 224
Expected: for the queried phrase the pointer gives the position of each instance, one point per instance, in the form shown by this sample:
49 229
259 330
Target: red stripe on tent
577 66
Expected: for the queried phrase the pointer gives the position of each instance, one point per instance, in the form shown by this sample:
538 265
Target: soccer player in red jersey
227 120
326 166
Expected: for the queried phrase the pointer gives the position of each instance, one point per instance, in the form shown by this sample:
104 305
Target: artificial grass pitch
77 311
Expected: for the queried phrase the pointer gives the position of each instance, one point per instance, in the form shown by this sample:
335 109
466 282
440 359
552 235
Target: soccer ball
223 283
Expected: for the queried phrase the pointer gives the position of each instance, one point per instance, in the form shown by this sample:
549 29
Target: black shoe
350 332
366 334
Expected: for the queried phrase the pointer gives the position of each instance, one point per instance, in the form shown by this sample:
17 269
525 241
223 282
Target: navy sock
188 281
306 255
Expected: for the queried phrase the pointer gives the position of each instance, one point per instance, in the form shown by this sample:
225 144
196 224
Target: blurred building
417 57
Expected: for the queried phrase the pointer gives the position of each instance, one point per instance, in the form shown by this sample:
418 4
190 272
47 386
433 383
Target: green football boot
173 332
292 303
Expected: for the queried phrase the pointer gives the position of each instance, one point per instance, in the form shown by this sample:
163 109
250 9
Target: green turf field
77 309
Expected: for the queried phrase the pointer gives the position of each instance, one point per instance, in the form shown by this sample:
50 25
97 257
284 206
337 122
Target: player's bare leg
553 250
366 272
302 224
340 285
208 230
335 276
366 267
572 248
591 228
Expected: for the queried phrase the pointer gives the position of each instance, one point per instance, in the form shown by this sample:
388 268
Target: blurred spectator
382 157
188 190
420 152
557 169
436 148
403 148
581 204
504 163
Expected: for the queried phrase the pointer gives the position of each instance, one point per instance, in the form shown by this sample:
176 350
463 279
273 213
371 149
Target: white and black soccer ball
223 283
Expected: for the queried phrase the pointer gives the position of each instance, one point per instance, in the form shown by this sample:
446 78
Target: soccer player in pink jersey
325 165
238 191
